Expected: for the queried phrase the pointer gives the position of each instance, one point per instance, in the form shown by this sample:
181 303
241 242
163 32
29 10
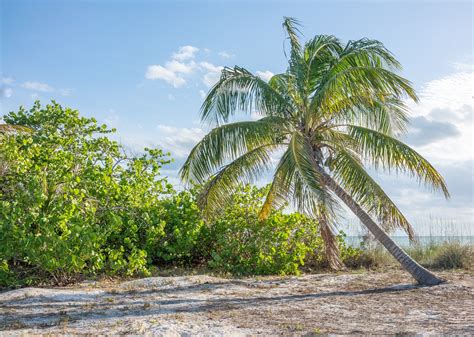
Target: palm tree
337 110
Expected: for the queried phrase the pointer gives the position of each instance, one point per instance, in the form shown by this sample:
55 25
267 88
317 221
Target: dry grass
441 256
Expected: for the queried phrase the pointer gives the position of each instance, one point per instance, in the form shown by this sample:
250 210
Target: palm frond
239 91
353 177
285 85
228 142
365 81
388 115
305 163
281 187
307 188
290 25
218 191
320 53
296 181
363 68
373 49
389 153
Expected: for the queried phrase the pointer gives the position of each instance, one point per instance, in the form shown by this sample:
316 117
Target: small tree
73 200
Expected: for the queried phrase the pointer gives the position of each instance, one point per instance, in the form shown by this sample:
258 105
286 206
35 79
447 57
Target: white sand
373 303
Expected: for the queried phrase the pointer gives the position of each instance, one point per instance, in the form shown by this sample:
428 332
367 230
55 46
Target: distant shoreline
355 240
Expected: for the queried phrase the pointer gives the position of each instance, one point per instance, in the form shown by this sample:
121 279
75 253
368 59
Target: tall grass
432 229
444 255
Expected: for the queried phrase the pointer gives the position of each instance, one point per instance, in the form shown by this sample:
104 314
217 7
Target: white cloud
448 100
179 141
225 54
37 86
185 53
210 67
155 72
202 93
265 75
212 75
452 92
172 72
180 68
7 80
44 87
5 92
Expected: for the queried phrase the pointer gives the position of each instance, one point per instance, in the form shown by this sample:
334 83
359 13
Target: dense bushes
72 202
243 245
184 239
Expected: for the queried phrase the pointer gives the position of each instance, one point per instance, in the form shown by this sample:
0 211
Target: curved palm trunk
422 275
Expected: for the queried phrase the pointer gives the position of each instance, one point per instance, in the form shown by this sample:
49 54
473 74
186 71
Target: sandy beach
365 303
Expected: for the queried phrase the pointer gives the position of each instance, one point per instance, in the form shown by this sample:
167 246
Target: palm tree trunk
422 275
331 246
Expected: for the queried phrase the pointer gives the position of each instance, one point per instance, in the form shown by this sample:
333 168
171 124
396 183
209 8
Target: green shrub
242 245
370 258
72 201
352 257
183 231
452 255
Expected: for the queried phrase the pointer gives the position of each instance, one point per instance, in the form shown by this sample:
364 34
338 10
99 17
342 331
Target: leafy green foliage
183 231
72 200
243 245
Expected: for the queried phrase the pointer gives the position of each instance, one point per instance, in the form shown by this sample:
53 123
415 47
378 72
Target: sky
143 67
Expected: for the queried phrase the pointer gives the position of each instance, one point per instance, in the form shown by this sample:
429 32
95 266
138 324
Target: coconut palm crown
337 111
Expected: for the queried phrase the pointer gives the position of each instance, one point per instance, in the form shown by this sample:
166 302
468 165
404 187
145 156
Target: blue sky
143 66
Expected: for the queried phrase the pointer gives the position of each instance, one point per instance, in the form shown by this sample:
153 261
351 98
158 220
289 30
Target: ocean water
423 240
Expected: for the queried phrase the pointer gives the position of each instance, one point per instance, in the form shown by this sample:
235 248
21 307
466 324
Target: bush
370 258
453 255
183 231
352 257
72 201
242 245
443 255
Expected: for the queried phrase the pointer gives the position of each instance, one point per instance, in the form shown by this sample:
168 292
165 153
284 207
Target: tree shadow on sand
49 311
